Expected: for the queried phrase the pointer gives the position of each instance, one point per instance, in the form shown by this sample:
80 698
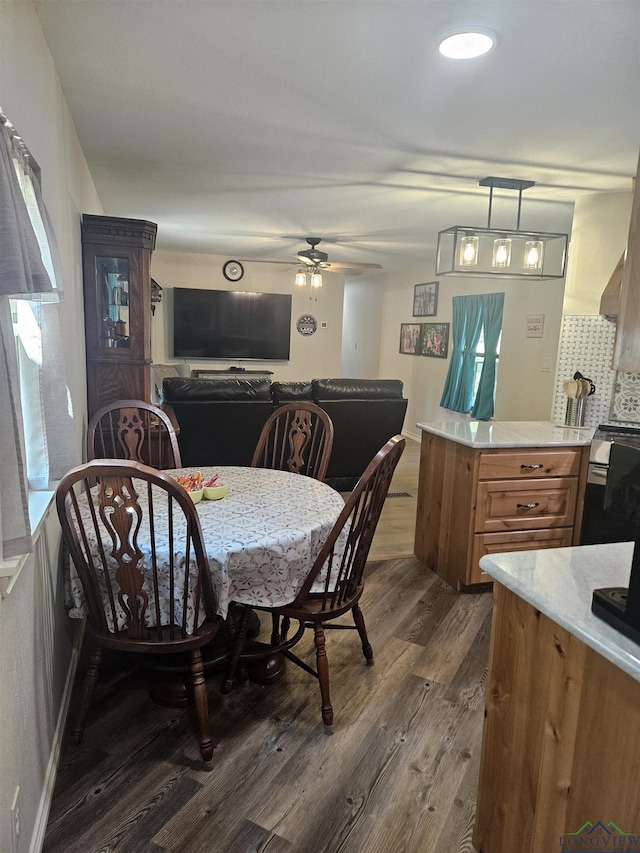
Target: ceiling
241 127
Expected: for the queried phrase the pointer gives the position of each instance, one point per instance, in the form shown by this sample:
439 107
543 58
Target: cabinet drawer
509 505
529 540
523 464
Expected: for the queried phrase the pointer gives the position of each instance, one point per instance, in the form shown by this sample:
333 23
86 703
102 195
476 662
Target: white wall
526 383
315 356
35 633
598 239
362 329
527 365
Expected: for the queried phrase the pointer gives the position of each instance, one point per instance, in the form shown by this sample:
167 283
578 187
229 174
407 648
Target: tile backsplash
586 344
625 405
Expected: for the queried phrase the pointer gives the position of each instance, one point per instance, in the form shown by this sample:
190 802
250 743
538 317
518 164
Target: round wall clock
306 325
233 270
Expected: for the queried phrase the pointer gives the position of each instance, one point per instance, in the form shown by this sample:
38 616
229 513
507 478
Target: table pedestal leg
168 686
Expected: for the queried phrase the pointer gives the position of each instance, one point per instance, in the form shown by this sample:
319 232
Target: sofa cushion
357 389
203 390
285 392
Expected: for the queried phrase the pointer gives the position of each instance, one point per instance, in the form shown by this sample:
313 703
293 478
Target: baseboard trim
413 436
42 815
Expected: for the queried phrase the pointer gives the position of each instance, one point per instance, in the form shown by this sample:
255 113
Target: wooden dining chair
135 540
135 430
335 582
296 437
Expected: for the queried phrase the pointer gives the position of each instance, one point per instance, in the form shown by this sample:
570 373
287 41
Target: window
469 387
477 372
36 428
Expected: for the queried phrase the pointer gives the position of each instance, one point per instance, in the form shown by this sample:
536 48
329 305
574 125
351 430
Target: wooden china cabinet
117 305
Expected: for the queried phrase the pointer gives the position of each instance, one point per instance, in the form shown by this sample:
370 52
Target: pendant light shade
495 253
469 251
316 279
533 254
501 257
301 278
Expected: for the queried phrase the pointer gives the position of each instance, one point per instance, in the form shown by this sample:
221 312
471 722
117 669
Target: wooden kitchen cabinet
117 304
475 501
560 746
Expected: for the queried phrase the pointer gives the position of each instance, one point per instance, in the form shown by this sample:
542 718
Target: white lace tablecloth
261 538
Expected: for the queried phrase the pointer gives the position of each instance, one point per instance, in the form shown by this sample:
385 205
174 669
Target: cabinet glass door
112 278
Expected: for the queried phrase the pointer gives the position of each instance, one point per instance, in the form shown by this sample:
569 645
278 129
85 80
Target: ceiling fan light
316 279
301 278
467 43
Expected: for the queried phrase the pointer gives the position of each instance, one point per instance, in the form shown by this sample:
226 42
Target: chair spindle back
135 430
297 437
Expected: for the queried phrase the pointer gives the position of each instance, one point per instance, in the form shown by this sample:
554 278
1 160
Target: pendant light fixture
500 253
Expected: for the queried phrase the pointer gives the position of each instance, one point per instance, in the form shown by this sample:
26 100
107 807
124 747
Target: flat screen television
231 324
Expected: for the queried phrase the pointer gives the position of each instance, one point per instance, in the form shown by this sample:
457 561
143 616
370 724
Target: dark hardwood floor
398 773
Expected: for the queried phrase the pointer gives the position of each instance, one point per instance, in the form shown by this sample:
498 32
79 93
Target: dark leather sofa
220 419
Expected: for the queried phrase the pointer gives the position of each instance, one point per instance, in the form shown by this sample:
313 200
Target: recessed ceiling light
467 42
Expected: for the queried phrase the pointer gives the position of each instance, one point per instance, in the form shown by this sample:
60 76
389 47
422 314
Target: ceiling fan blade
264 261
357 266
324 266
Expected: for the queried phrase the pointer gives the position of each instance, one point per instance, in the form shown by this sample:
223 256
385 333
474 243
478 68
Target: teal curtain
466 326
492 322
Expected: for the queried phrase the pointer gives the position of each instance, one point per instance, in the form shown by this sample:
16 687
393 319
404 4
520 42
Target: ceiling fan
317 259
313 256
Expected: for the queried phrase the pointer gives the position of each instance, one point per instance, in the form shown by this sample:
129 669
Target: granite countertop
559 582
496 434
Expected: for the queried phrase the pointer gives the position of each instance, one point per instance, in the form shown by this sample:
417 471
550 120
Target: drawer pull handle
532 467
528 506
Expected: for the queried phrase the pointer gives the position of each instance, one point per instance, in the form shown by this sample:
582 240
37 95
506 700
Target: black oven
600 524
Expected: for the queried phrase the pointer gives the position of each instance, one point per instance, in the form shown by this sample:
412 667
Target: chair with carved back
135 430
296 437
334 584
135 540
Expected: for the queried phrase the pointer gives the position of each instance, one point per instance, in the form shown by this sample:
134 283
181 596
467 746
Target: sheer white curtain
36 436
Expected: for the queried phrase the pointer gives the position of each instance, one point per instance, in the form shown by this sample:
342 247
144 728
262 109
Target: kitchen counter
562 706
494 486
559 583
499 434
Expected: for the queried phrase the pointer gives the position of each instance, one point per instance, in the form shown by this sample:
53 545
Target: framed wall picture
425 299
434 340
410 336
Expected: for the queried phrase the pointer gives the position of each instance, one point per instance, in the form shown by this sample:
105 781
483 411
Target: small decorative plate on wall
233 270
306 325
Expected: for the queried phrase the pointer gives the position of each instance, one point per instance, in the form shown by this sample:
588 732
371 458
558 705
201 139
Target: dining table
261 538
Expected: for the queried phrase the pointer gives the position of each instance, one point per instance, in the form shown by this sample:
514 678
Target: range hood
610 299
